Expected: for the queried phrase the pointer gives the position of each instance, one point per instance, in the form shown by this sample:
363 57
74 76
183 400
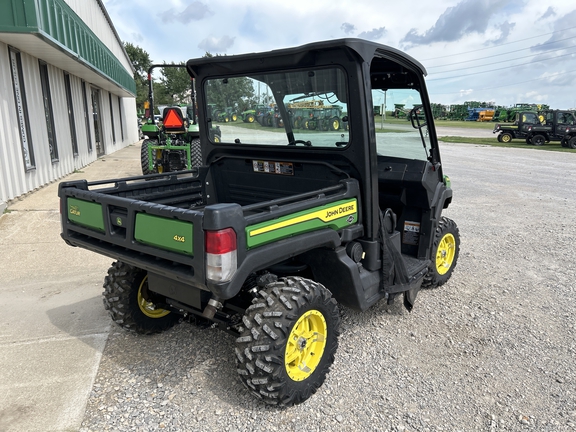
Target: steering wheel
306 143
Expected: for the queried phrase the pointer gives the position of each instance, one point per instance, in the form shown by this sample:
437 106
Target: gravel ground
492 350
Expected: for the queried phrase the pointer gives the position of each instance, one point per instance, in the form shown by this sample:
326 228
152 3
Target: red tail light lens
221 257
220 242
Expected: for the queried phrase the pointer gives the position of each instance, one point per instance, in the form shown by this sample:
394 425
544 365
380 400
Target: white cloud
216 45
446 36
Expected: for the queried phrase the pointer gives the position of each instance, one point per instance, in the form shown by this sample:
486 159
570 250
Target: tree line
173 85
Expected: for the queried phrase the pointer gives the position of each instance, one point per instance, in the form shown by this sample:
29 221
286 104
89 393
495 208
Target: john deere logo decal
119 221
335 216
75 210
339 211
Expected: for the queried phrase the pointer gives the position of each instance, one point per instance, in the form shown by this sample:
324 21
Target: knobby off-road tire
538 140
288 341
505 137
445 251
572 143
144 157
195 153
124 290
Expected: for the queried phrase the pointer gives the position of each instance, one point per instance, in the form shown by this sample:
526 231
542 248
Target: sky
499 51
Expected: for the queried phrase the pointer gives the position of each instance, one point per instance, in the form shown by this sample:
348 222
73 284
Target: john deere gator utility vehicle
552 128
518 129
273 231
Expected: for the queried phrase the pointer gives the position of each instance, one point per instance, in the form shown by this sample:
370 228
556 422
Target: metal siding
14 180
34 96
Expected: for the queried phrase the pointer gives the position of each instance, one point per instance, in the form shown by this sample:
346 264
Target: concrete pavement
53 327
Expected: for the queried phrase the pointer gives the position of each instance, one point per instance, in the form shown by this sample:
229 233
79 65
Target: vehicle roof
365 50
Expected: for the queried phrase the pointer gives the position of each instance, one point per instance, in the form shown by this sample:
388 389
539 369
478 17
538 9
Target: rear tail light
221 257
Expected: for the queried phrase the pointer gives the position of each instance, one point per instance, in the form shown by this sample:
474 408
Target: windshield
307 108
401 129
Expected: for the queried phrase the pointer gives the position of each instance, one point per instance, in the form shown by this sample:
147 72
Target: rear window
306 108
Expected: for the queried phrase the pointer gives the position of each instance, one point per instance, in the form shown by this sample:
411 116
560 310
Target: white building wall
14 179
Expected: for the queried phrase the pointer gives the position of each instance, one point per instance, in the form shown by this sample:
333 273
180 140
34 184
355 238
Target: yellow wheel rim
305 346
148 308
445 254
506 138
335 125
216 139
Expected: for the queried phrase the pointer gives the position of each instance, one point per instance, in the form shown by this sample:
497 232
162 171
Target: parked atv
518 129
569 139
553 127
274 230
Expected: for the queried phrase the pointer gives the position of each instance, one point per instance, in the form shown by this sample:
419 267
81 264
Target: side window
531 118
396 134
565 118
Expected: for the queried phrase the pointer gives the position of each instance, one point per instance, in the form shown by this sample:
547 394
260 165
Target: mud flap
410 298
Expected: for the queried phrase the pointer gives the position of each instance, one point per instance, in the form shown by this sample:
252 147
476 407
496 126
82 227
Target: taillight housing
221 256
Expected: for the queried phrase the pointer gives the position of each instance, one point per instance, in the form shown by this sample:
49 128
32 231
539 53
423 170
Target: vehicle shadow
85 320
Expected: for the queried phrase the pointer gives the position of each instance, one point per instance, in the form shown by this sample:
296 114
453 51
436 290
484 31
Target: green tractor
330 118
228 114
250 115
225 115
173 143
508 115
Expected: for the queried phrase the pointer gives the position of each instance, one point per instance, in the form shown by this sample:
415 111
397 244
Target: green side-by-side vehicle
274 230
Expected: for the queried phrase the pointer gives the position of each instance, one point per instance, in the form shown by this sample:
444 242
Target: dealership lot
494 349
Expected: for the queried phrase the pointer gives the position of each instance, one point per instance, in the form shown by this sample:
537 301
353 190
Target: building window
86 117
48 111
71 113
96 114
21 109
120 115
112 118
